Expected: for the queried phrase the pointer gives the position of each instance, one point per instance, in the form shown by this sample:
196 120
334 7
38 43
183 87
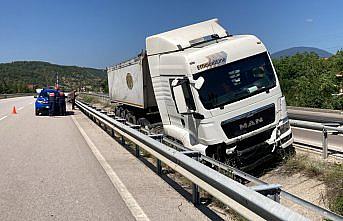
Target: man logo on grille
129 81
251 123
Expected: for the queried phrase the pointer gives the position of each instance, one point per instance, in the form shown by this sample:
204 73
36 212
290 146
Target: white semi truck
214 92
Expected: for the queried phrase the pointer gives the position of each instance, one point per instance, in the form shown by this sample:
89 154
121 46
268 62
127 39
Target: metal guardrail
244 200
326 130
318 210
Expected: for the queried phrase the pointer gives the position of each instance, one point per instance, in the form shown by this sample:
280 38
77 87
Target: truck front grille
249 121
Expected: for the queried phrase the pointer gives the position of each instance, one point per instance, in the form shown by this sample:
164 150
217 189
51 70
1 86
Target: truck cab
218 94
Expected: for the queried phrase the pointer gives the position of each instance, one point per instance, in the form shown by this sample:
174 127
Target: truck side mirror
199 82
182 96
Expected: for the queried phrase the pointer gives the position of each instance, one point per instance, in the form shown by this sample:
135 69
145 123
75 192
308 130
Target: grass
331 174
88 99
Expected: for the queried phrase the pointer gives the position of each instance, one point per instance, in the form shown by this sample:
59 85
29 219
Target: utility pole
57 81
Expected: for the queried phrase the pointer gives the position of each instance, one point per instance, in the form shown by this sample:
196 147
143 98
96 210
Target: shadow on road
176 186
68 113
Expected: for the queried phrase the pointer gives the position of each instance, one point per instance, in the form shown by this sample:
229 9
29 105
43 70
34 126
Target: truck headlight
285 126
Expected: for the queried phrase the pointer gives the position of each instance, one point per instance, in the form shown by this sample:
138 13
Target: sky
99 33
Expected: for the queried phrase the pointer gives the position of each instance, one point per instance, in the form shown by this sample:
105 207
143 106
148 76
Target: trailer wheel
131 118
123 114
143 122
118 111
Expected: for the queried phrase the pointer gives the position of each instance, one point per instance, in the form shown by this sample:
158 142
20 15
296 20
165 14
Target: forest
26 76
310 81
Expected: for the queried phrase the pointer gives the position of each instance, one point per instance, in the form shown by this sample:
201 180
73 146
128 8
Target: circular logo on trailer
129 81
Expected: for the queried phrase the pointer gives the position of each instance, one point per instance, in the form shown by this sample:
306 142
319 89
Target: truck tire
285 154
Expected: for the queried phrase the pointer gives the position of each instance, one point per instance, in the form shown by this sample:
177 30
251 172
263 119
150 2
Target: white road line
3 117
130 202
20 108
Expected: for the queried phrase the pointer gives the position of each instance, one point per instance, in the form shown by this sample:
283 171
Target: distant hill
295 50
25 76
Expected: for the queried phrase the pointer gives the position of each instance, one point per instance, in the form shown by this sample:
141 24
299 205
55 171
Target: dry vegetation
330 173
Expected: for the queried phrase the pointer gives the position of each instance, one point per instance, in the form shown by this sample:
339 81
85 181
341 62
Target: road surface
315 116
46 172
313 137
67 168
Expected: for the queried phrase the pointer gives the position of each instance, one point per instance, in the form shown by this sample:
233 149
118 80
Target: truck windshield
236 81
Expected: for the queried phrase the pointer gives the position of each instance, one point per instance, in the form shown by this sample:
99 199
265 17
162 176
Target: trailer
131 88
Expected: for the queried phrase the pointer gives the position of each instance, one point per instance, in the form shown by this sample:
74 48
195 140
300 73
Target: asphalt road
314 138
321 117
48 171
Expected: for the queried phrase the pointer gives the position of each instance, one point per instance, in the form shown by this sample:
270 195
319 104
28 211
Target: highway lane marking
20 108
3 117
129 200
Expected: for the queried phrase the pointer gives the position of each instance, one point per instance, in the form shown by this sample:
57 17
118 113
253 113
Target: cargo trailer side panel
149 95
126 83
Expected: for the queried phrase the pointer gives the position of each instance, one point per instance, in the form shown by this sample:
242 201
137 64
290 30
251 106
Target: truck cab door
183 96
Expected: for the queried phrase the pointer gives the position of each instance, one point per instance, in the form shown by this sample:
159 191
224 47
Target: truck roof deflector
182 37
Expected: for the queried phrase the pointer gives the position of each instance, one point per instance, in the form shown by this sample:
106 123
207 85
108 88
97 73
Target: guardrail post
122 140
159 167
325 144
112 133
137 151
277 197
195 194
195 190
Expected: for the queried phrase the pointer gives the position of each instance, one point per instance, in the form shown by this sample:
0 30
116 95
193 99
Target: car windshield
236 80
44 94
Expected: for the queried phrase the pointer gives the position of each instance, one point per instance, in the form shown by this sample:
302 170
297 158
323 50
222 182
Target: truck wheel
285 153
290 151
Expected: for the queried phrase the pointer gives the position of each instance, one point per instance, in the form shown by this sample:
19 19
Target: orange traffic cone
14 111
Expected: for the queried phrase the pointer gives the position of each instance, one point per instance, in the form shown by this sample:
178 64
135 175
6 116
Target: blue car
42 102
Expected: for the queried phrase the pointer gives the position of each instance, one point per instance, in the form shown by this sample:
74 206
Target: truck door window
187 93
